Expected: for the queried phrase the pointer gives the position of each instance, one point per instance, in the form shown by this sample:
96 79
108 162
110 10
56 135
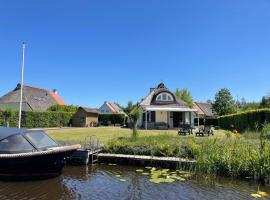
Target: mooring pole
21 97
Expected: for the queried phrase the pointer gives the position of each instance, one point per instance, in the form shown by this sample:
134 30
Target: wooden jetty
170 162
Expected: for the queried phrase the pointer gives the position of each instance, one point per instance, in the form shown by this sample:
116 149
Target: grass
105 134
223 154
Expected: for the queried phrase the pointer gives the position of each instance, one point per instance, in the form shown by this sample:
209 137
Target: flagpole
21 98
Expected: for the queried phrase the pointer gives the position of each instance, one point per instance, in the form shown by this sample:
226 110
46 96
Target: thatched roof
205 109
35 99
148 100
90 110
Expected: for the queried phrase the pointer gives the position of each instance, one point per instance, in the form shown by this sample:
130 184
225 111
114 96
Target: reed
230 155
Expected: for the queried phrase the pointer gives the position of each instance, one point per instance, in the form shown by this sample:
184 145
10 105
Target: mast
22 75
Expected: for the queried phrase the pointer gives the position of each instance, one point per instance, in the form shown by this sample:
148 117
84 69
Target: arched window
164 97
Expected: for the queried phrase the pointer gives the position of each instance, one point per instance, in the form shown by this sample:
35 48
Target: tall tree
224 103
265 103
185 95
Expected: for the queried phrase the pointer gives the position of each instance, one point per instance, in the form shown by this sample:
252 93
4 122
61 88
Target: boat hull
32 167
38 165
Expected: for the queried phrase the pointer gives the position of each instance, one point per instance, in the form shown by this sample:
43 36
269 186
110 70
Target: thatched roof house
34 99
162 109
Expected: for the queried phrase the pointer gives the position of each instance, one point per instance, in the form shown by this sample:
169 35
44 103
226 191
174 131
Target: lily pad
148 167
255 195
179 178
157 180
111 164
139 170
264 194
122 180
118 175
145 173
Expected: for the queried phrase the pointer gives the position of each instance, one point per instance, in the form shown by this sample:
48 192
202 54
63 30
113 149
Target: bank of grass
223 154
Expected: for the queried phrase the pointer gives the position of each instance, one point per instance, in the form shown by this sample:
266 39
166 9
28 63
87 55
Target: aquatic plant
233 156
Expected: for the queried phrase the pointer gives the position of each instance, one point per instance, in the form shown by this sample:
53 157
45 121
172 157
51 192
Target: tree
185 95
224 103
133 112
134 116
265 103
129 108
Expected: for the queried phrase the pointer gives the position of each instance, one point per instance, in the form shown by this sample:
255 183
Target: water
100 182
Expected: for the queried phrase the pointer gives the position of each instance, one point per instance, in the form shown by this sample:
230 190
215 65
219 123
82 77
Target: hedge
34 119
112 119
245 120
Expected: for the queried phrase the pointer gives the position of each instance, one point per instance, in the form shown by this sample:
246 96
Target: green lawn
106 133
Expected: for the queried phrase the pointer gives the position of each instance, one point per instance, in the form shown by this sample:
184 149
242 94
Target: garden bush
245 120
63 108
112 119
34 119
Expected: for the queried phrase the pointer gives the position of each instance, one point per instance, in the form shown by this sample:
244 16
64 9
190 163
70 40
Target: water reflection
101 182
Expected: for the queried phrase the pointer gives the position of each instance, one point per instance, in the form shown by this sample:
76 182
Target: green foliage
185 95
63 108
112 119
31 119
224 103
134 116
128 109
265 103
244 121
227 156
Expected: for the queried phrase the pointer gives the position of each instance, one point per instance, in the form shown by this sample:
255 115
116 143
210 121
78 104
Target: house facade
110 108
33 99
85 117
162 109
204 112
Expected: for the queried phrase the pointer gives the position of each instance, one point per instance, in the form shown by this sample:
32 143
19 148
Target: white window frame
164 96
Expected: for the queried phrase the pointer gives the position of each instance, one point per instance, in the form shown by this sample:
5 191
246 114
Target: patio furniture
208 130
185 129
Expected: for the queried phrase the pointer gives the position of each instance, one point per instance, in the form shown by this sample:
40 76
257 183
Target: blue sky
92 51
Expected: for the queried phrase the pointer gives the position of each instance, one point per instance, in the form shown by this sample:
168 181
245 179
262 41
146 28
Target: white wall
104 109
161 116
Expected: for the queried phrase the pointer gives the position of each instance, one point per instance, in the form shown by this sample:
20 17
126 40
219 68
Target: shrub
34 119
63 108
250 120
112 119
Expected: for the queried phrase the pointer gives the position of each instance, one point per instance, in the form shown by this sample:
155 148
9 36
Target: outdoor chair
208 130
184 130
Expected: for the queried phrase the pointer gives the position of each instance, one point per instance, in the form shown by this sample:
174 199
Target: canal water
123 182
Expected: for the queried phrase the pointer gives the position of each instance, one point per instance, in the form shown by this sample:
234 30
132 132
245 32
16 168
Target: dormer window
164 97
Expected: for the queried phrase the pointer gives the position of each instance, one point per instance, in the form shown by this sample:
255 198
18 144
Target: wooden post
146 120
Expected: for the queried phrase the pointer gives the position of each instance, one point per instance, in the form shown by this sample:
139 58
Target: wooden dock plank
146 158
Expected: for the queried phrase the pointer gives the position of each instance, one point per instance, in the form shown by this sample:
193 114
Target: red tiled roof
57 98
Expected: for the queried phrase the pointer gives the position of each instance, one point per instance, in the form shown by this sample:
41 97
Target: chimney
54 91
152 89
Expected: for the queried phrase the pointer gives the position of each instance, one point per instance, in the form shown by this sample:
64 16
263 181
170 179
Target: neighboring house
110 108
85 117
161 108
204 111
34 99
